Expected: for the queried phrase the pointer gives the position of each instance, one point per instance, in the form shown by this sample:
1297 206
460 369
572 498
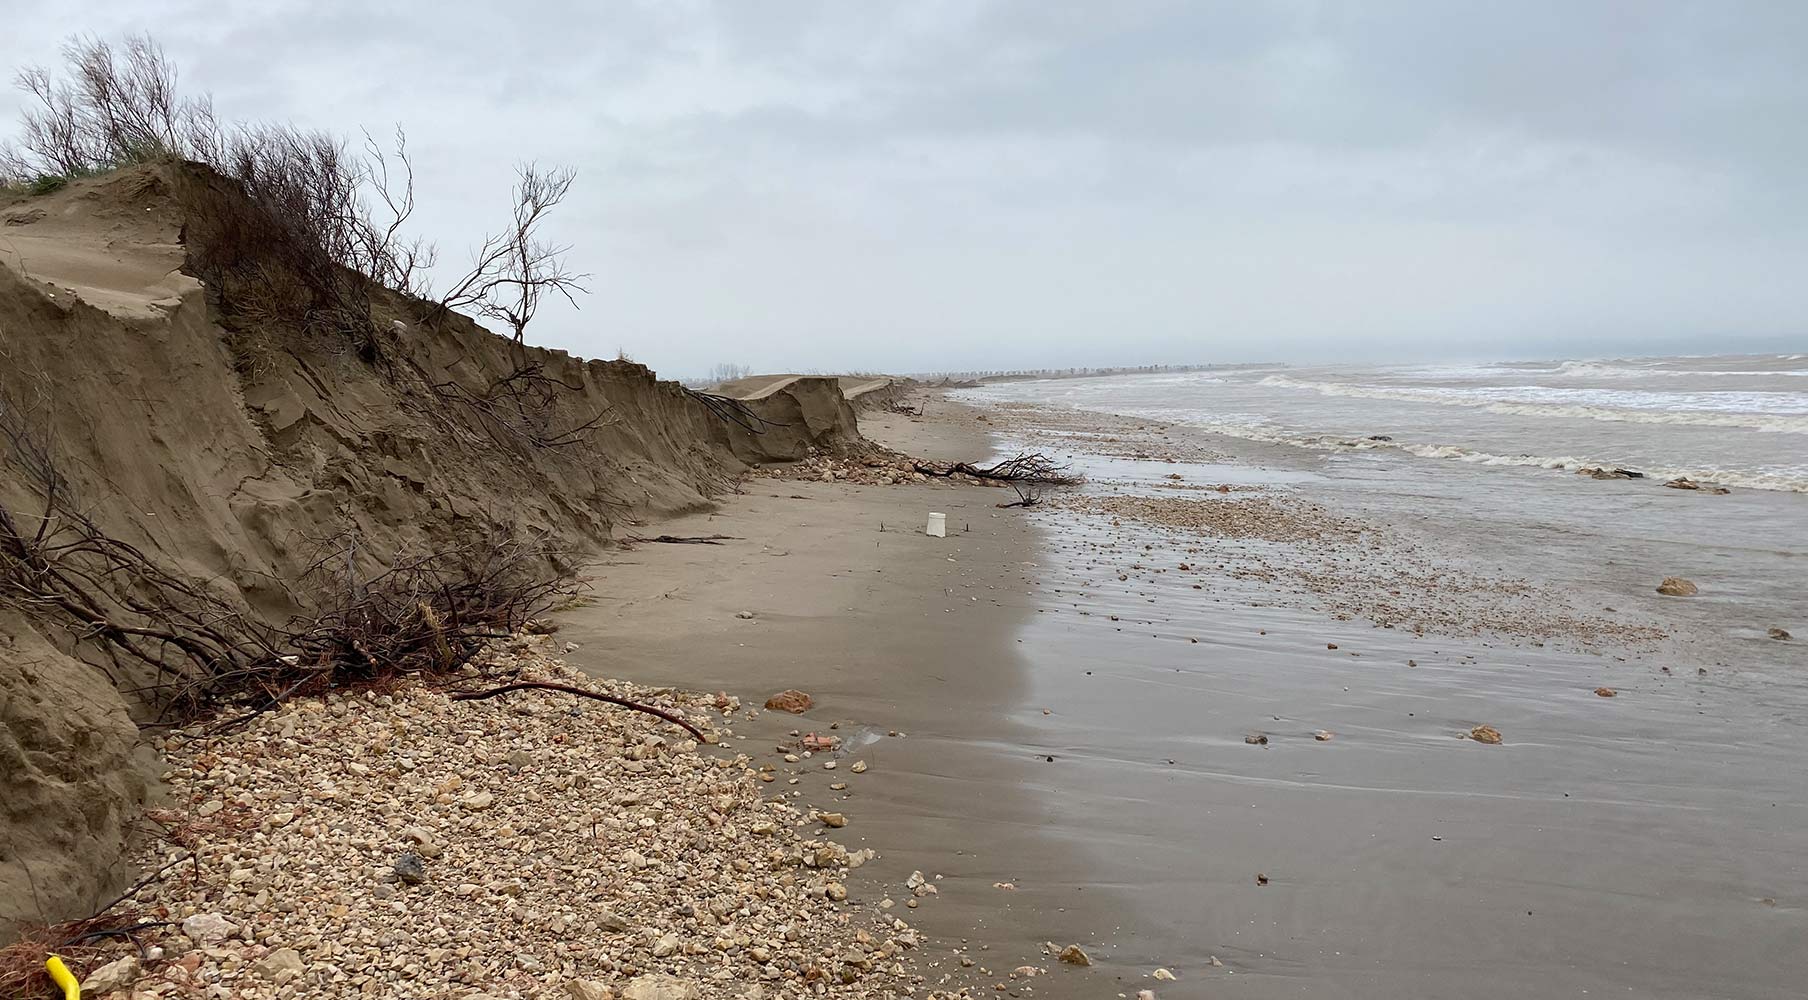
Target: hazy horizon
1014 185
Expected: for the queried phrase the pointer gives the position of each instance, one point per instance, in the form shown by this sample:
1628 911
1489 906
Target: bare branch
513 271
1027 467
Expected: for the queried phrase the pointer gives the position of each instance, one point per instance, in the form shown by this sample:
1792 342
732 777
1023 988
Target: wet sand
890 631
1648 844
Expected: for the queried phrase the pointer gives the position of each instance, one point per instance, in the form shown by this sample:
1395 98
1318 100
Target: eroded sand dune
227 450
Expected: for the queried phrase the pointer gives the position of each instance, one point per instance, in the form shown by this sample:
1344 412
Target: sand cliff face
228 452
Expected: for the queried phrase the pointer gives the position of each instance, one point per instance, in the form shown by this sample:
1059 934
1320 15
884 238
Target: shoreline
1263 687
891 632
1156 837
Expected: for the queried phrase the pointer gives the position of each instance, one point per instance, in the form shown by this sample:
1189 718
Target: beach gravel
622 861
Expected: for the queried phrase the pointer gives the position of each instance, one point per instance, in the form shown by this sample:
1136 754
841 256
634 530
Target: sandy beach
679 502
909 646
1181 741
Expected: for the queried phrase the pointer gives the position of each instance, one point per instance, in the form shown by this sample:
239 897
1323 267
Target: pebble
409 868
618 862
792 700
205 928
280 965
115 975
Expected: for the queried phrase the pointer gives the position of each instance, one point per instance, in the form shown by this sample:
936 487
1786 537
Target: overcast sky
947 185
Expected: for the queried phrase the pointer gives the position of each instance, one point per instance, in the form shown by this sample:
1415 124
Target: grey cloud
823 184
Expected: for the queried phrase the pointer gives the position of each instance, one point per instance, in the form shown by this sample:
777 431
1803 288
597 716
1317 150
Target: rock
1605 692
208 928
794 701
1145 995
1676 586
1256 740
1073 954
410 868
610 921
113 976
1603 473
209 808
836 820
666 946
1323 735
281 965
1330 645
859 766
1485 734
658 987
1782 635
744 615
1164 975
1215 963
588 989
519 759
478 801
1261 879
1685 483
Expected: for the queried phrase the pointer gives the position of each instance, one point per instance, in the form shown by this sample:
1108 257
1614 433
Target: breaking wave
1611 370
1787 412
1789 479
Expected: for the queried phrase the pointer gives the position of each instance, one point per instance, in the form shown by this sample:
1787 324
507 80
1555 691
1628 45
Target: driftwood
580 692
680 539
1027 467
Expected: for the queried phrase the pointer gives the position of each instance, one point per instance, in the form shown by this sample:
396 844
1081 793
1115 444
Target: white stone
113 976
658 987
207 928
281 964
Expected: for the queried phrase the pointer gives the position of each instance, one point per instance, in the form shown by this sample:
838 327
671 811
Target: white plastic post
938 525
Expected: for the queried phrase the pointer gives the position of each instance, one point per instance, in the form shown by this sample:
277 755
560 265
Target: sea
1487 456
1737 421
1272 800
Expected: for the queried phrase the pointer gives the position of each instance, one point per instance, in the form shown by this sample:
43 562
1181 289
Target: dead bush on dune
294 231
513 270
287 234
110 108
299 227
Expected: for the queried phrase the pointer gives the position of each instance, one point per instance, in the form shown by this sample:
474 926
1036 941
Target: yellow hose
59 974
